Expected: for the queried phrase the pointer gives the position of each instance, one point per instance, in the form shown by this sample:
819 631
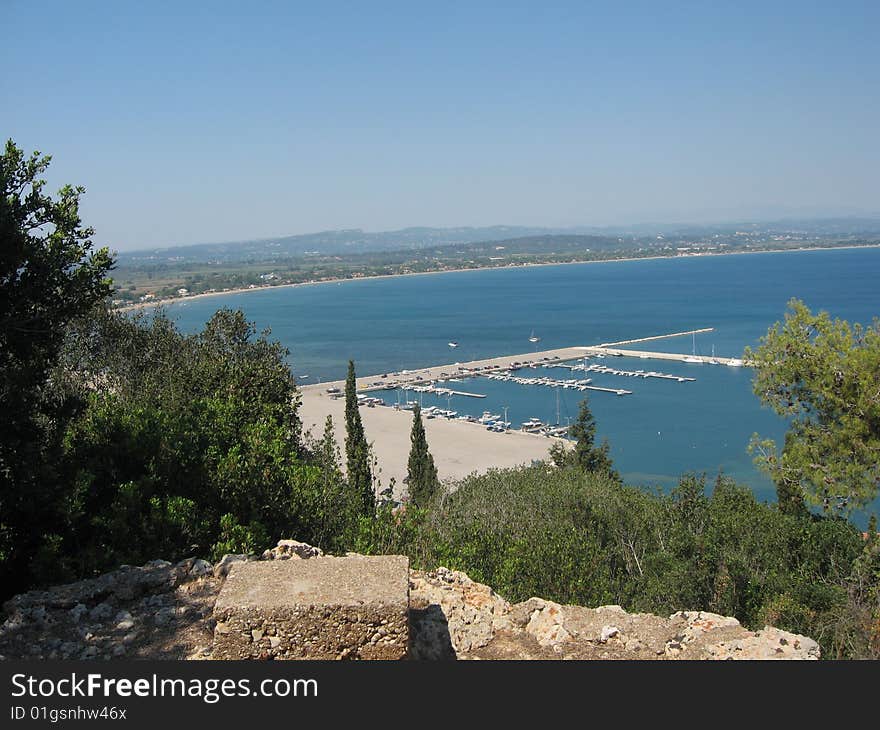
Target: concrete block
353 607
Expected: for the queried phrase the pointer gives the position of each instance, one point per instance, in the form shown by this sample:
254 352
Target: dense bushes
582 538
181 445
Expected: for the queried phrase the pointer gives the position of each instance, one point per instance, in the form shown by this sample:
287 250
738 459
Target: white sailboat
693 358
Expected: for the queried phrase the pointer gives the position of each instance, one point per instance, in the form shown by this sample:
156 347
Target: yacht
693 358
533 424
488 417
453 344
734 362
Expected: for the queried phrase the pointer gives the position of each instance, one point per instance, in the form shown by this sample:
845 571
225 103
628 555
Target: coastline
246 290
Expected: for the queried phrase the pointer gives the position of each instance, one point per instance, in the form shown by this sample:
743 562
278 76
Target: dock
428 376
422 389
552 383
698 359
460 447
652 338
605 370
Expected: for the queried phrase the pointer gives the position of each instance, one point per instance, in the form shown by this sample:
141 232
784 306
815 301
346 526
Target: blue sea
665 428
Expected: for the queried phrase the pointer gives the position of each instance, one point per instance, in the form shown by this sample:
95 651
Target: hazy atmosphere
434 331
195 123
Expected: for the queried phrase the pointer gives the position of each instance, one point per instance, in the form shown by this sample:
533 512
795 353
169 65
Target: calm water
664 428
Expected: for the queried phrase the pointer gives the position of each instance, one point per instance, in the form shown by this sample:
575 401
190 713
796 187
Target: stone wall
322 607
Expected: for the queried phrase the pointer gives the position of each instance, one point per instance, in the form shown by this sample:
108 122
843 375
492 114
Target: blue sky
194 122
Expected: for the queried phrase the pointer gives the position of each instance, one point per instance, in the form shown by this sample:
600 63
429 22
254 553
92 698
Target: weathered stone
450 614
164 616
769 643
200 568
547 625
221 569
323 608
287 549
101 612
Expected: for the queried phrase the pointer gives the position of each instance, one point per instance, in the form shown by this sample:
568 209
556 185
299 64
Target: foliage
340 507
184 444
822 375
583 538
421 472
586 456
49 275
357 451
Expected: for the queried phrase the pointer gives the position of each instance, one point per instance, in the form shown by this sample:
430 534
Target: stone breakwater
186 611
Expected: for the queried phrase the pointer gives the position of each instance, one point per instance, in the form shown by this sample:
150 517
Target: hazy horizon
210 123
611 228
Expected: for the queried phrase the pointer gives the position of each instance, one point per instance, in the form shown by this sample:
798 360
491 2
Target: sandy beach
245 290
458 448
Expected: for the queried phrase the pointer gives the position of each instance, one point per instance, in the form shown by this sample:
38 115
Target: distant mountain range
353 241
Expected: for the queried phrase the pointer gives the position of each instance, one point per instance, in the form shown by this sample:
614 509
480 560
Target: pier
552 383
645 355
658 337
430 375
431 388
459 446
605 370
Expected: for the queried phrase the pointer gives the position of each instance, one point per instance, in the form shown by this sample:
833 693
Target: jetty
430 388
605 370
429 376
553 383
462 444
699 359
705 330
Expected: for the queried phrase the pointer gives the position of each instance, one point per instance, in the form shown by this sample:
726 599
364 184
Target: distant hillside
352 242
331 242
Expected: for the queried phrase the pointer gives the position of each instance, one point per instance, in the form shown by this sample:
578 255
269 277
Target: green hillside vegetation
126 440
163 276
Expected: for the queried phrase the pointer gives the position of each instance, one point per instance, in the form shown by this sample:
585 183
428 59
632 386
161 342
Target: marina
581 385
560 357
660 431
604 369
521 370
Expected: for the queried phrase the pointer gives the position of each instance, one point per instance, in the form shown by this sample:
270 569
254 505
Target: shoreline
246 290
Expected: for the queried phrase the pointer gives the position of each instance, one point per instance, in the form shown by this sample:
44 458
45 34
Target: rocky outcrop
457 618
159 610
165 611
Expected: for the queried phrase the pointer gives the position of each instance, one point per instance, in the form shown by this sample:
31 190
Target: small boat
453 344
734 362
533 337
532 424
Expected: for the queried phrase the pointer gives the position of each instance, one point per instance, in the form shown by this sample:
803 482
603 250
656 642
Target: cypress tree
421 472
588 456
357 452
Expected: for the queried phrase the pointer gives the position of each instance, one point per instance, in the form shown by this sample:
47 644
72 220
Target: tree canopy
421 472
49 276
823 376
586 455
357 450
